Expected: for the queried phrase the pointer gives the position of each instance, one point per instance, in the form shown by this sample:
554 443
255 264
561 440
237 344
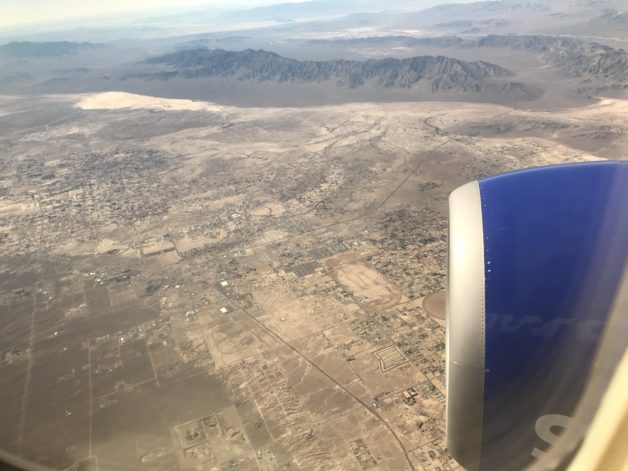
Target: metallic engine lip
465 360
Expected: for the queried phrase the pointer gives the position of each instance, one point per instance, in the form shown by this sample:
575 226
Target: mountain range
573 57
436 73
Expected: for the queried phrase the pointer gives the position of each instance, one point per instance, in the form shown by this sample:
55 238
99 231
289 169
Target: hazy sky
24 12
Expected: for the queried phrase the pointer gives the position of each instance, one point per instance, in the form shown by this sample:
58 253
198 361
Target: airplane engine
535 260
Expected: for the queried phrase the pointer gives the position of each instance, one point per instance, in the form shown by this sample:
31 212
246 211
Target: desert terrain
199 285
218 229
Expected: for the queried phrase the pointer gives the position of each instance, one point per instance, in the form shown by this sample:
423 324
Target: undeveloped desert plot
369 288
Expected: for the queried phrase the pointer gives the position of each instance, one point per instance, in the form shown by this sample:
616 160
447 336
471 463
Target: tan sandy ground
123 100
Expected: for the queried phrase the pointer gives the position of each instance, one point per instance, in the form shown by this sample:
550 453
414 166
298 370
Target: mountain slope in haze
283 13
434 73
304 9
26 49
574 58
476 17
611 23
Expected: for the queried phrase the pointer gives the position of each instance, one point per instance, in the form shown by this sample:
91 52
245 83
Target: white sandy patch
123 100
615 107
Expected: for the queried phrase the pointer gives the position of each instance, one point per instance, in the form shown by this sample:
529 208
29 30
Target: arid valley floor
191 285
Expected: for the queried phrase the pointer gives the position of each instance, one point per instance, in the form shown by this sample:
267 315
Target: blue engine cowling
535 259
